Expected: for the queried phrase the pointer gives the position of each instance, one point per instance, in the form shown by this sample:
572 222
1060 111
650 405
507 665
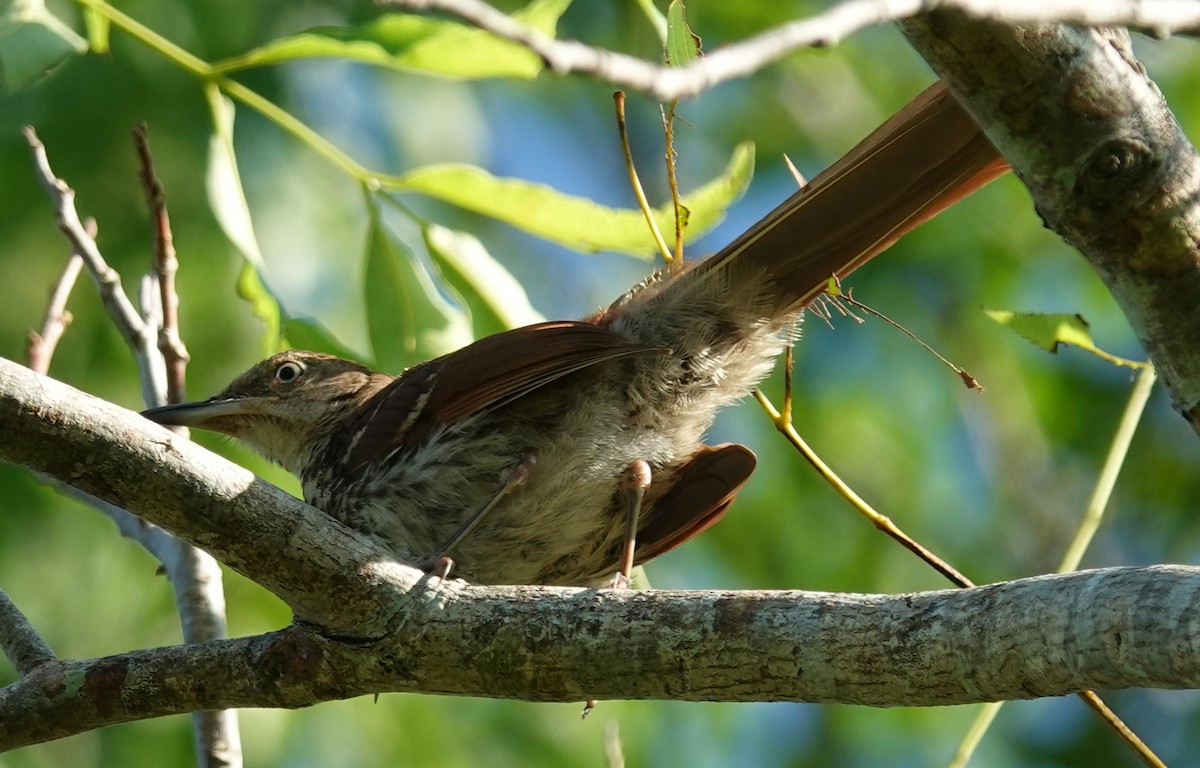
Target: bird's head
284 407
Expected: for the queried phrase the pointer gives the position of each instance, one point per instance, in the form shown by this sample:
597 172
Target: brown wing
696 498
487 374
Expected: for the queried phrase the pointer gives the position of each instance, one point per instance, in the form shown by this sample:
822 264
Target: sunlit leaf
228 202
433 46
577 222
1048 331
33 41
496 300
683 46
408 319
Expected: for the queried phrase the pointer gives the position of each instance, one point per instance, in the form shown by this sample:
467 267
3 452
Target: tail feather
924 159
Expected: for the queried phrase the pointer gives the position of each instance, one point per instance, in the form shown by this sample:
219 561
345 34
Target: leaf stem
256 101
149 37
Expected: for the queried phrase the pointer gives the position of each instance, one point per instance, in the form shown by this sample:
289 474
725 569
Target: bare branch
42 344
134 331
170 344
19 641
745 57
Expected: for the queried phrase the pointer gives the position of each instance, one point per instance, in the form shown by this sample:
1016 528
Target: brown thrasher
525 454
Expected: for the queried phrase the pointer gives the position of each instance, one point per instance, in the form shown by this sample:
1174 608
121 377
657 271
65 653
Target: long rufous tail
928 156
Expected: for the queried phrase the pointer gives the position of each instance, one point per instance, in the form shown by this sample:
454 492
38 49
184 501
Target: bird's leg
633 490
441 563
634 483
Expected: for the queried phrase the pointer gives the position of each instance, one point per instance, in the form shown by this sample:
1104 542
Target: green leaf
33 41
307 333
1048 331
408 319
577 222
419 43
683 45
496 300
228 202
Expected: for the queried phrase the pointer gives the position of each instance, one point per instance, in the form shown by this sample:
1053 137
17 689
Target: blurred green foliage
995 482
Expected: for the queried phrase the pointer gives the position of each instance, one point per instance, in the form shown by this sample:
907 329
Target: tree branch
376 626
1108 166
319 567
1046 636
745 57
195 576
19 641
120 309
42 344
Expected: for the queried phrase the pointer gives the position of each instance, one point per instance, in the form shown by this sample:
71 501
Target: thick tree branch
1108 166
1047 636
1037 637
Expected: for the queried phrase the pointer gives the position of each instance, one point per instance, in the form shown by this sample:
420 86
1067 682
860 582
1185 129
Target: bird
563 453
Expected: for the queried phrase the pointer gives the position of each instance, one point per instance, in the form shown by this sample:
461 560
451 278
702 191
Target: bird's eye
288 371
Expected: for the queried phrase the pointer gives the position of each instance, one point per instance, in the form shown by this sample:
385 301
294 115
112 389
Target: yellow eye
288 372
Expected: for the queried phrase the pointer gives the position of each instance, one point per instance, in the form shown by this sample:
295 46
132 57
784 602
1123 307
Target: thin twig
781 418
170 344
614 756
745 57
139 337
42 344
668 118
1130 418
970 381
20 642
634 181
880 521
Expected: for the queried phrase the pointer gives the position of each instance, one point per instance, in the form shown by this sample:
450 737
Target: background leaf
496 300
1047 330
408 319
307 333
683 46
419 43
573 221
33 41
228 202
